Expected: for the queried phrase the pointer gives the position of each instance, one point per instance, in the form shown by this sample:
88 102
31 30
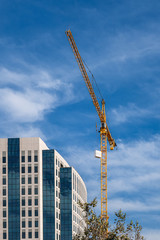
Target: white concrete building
39 192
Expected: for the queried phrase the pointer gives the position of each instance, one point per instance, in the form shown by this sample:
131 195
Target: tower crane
104 130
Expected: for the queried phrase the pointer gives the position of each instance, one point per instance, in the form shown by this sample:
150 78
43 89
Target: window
29 234
4 170
4 202
29 156
23 235
29 202
36 234
36 202
36 180
4 181
22 158
36 223
29 159
23 202
23 180
4 192
36 169
4 213
36 190
29 191
4 159
29 223
23 213
29 180
30 213
36 212
29 169
23 224
35 158
23 191
4 224
23 169
4 235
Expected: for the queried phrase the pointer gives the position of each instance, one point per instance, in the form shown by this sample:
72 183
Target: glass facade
66 203
48 196
13 189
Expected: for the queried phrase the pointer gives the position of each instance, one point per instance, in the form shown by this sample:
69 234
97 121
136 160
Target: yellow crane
104 130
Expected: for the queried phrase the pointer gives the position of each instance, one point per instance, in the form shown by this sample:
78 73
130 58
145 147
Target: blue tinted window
30 224
36 158
36 234
30 213
4 159
29 159
23 224
23 202
4 213
4 203
48 195
36 169
23 213
4 181
5 235
23 159
36 212
23 235
29 234
36 180
36 223
29 202
23 180
29 180
4 224
4 192
29 169
36 202
4 170
36 190
29 191
23 191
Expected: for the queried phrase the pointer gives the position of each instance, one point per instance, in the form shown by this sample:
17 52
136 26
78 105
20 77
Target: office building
39 192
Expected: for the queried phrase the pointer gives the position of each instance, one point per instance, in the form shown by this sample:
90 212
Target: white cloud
27 96
133 205
28 106
128 113
133 170
151 234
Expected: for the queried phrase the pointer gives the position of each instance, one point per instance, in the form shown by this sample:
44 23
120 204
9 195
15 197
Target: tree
96 227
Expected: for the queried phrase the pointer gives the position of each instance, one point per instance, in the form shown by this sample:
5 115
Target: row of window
29 213
29 235
29 191
29 159
23 170
30 202
29 180
29 223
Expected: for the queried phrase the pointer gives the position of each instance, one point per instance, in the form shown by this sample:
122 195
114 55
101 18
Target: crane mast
104 130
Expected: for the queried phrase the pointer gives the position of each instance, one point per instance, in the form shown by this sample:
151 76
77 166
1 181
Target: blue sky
42 92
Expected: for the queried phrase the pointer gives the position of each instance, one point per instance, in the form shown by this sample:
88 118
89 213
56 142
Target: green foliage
96 227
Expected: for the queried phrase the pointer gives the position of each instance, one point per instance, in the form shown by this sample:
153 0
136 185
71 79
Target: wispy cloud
151 234
134 169
129 113
27 96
